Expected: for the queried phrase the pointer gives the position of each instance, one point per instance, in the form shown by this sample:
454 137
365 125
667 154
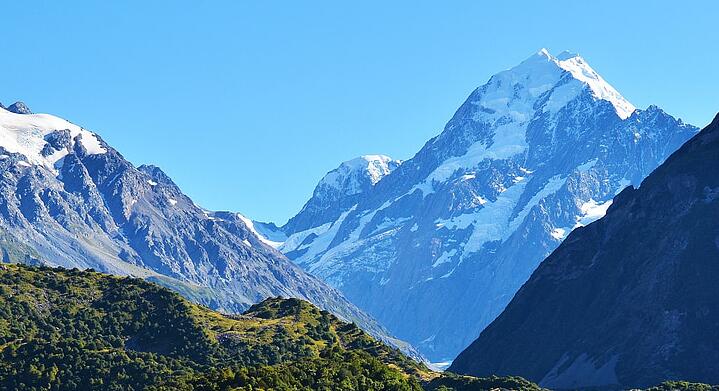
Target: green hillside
70 329
81 330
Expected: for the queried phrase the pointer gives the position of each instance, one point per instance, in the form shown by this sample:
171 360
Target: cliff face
629 300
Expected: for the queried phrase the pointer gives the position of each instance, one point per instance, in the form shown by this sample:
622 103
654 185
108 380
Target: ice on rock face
28 135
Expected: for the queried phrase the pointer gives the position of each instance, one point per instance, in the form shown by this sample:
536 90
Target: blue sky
247 104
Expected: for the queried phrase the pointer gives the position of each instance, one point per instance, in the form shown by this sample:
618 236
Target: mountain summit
19 108
340 189
437 248
580 71
629 300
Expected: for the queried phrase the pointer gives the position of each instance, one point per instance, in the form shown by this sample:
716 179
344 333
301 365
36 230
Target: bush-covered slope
70 329
82 330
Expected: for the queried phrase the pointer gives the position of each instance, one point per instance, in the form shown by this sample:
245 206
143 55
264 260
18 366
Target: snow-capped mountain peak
69 199
502 110
352 176
542 74
581 71
444 241
340 189
43 139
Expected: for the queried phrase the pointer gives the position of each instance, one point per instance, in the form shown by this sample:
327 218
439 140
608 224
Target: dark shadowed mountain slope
630 300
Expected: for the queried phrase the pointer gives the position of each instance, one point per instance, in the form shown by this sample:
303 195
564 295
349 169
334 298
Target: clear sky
246 104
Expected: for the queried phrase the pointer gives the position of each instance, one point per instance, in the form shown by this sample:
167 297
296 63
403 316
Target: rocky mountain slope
69 199
438 246
628 300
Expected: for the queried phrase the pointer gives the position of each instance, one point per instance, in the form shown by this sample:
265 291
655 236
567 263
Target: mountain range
69 199
436 246
627 300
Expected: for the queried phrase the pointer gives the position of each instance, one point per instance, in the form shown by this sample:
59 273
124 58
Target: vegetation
81 330
683 386
13 250
452 382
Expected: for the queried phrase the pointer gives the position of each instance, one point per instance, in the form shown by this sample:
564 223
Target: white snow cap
25 134
348 175
377 166
580 70
511 99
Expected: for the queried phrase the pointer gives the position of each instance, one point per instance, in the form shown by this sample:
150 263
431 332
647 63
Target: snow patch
274 235
251 226
440 366
445 257
509 140
584 167
592 211
559 233
494 221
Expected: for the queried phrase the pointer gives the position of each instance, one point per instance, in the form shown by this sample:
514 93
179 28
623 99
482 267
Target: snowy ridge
602 90
262 236
26 133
